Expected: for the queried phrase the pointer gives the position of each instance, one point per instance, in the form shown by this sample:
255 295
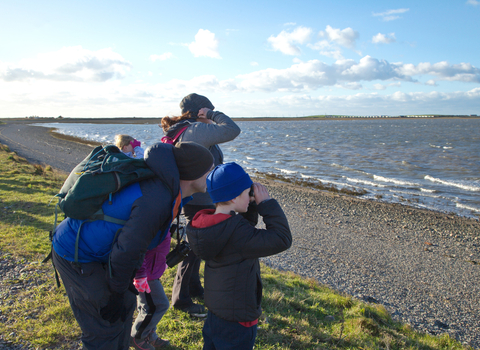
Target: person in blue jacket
99 285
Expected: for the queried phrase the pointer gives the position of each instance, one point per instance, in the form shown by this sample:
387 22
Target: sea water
426 163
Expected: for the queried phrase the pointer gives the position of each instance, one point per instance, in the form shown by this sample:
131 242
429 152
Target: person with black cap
208 128
231 245
99 286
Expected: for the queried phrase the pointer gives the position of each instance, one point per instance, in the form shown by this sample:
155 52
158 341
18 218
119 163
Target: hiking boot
141 344
159 343
195 310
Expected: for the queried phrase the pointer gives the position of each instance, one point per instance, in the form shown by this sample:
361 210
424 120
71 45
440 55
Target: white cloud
337 54
463 72
384 39
473 2
373 103
314 74
321 45
350 86
285 41
325 48
162 57
254 64
343 37
66 83
205 44
69 64
113 98
390 15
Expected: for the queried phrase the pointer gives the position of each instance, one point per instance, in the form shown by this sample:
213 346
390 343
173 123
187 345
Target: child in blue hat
226 238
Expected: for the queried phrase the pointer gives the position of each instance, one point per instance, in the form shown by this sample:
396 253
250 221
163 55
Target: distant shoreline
134 120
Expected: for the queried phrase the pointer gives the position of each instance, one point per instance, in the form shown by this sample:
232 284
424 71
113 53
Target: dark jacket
149 213
209 136
231 248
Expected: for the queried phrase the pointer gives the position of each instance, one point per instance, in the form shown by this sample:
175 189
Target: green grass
298 313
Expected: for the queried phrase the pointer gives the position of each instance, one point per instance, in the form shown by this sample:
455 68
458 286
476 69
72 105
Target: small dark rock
370 299
440 324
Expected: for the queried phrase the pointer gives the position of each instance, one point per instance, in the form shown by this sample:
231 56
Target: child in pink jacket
152 302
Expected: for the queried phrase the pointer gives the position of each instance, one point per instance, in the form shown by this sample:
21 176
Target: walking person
97 269
207 128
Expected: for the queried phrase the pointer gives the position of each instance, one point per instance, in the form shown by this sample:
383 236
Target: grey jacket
223 130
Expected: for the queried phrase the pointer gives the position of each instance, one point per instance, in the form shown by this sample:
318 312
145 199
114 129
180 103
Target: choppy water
428 163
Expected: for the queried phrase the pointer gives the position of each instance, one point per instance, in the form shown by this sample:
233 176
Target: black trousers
87 291
187 281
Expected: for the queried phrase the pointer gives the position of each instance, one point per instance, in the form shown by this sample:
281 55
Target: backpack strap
49 256
99 215
179 134
167 139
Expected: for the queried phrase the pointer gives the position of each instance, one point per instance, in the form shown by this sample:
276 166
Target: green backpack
103 172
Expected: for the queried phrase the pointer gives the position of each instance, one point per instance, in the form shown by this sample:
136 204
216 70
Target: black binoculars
178 254
252 192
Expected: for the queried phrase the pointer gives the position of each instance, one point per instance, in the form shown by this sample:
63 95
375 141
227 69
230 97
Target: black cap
193 160
193 103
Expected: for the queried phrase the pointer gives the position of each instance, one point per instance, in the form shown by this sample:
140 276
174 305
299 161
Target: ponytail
168 122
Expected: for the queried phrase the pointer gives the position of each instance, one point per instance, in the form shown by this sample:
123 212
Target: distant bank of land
139 120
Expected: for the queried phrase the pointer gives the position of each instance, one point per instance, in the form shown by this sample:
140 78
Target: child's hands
260 193
141 285
135 143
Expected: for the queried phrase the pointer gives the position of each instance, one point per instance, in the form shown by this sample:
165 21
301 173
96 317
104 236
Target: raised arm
222 130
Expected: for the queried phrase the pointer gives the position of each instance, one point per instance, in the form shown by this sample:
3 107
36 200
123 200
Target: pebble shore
423 266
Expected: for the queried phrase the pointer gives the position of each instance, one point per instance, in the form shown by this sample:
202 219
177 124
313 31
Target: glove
115 308
135 143
142 285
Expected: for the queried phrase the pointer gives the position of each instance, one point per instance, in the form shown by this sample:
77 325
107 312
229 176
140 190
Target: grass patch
298 313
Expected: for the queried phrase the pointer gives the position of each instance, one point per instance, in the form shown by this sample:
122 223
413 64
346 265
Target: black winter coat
231 248
150 213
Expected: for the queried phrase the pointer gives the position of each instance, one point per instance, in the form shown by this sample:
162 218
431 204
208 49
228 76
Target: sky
250 58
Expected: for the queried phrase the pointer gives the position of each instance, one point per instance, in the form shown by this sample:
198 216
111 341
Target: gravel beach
423 266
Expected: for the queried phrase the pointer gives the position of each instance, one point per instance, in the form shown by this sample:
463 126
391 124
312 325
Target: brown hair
167 121
122 140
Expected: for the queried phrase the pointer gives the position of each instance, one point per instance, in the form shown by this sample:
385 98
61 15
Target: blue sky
251 58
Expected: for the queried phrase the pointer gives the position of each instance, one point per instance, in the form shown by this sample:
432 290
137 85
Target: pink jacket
154 264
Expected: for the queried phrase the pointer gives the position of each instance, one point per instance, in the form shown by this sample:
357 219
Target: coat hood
159 157
174 129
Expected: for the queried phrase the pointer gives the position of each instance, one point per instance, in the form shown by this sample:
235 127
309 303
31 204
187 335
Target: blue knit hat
227 181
